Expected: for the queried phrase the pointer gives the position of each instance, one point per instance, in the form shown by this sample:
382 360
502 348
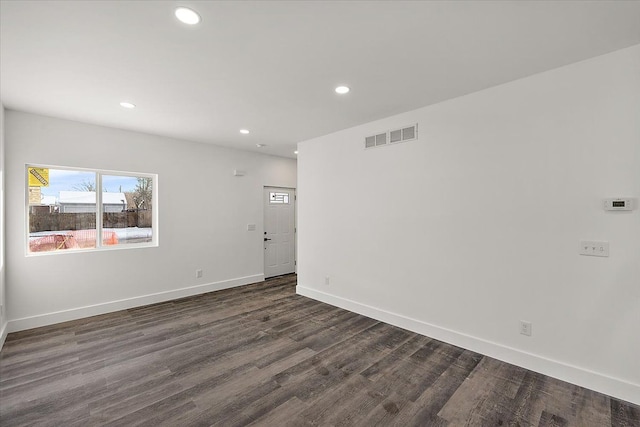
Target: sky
66 180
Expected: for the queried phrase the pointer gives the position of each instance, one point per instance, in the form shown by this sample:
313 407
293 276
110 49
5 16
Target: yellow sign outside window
38 177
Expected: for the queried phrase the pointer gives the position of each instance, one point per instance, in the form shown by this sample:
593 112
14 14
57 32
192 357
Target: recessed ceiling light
188 16
127 105
244 131
342 90
261 145
295 152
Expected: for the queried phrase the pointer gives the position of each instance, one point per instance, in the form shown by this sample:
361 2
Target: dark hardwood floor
262 355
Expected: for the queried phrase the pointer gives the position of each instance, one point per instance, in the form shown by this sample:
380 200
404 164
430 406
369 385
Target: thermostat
619 204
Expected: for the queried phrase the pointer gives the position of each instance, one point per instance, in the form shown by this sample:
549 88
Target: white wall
203 215
3 307
476 225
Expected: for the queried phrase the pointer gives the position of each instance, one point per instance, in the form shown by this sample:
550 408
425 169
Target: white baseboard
4 330
109 307
614 387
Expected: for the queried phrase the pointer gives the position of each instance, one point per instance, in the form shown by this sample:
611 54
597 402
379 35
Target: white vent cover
406 133
395 136
409 133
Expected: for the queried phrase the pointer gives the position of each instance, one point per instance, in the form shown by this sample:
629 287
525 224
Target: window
279 198
65 212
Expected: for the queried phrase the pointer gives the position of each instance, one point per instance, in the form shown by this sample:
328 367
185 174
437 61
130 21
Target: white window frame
99 212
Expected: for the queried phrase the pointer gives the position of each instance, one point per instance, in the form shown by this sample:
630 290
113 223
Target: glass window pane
279 198
62 209
127 209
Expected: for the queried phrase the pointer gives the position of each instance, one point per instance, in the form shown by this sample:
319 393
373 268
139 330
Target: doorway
279 231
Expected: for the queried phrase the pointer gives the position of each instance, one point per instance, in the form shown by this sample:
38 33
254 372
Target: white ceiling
271 67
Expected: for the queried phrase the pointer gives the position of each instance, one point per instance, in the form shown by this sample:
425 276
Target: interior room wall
3 306
476 226
203 214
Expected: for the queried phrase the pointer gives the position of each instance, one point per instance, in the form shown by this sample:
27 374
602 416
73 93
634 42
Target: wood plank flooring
261 355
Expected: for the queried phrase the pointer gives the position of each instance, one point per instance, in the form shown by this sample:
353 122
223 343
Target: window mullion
99 214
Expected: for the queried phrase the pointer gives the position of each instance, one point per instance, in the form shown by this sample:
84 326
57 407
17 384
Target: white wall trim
3 334
123 304
611 386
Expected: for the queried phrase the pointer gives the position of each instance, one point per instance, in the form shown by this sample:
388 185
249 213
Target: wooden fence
45 221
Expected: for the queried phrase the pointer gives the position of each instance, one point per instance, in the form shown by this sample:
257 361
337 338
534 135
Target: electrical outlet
198 274
326 280
525 328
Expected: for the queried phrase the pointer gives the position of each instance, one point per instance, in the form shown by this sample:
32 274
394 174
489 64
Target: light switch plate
594 248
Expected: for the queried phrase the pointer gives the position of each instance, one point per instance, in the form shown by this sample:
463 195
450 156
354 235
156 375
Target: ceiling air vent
407 133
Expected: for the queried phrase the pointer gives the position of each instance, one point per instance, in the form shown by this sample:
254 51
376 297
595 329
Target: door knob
265 239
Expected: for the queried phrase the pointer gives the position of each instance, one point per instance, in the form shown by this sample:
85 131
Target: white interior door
279 231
